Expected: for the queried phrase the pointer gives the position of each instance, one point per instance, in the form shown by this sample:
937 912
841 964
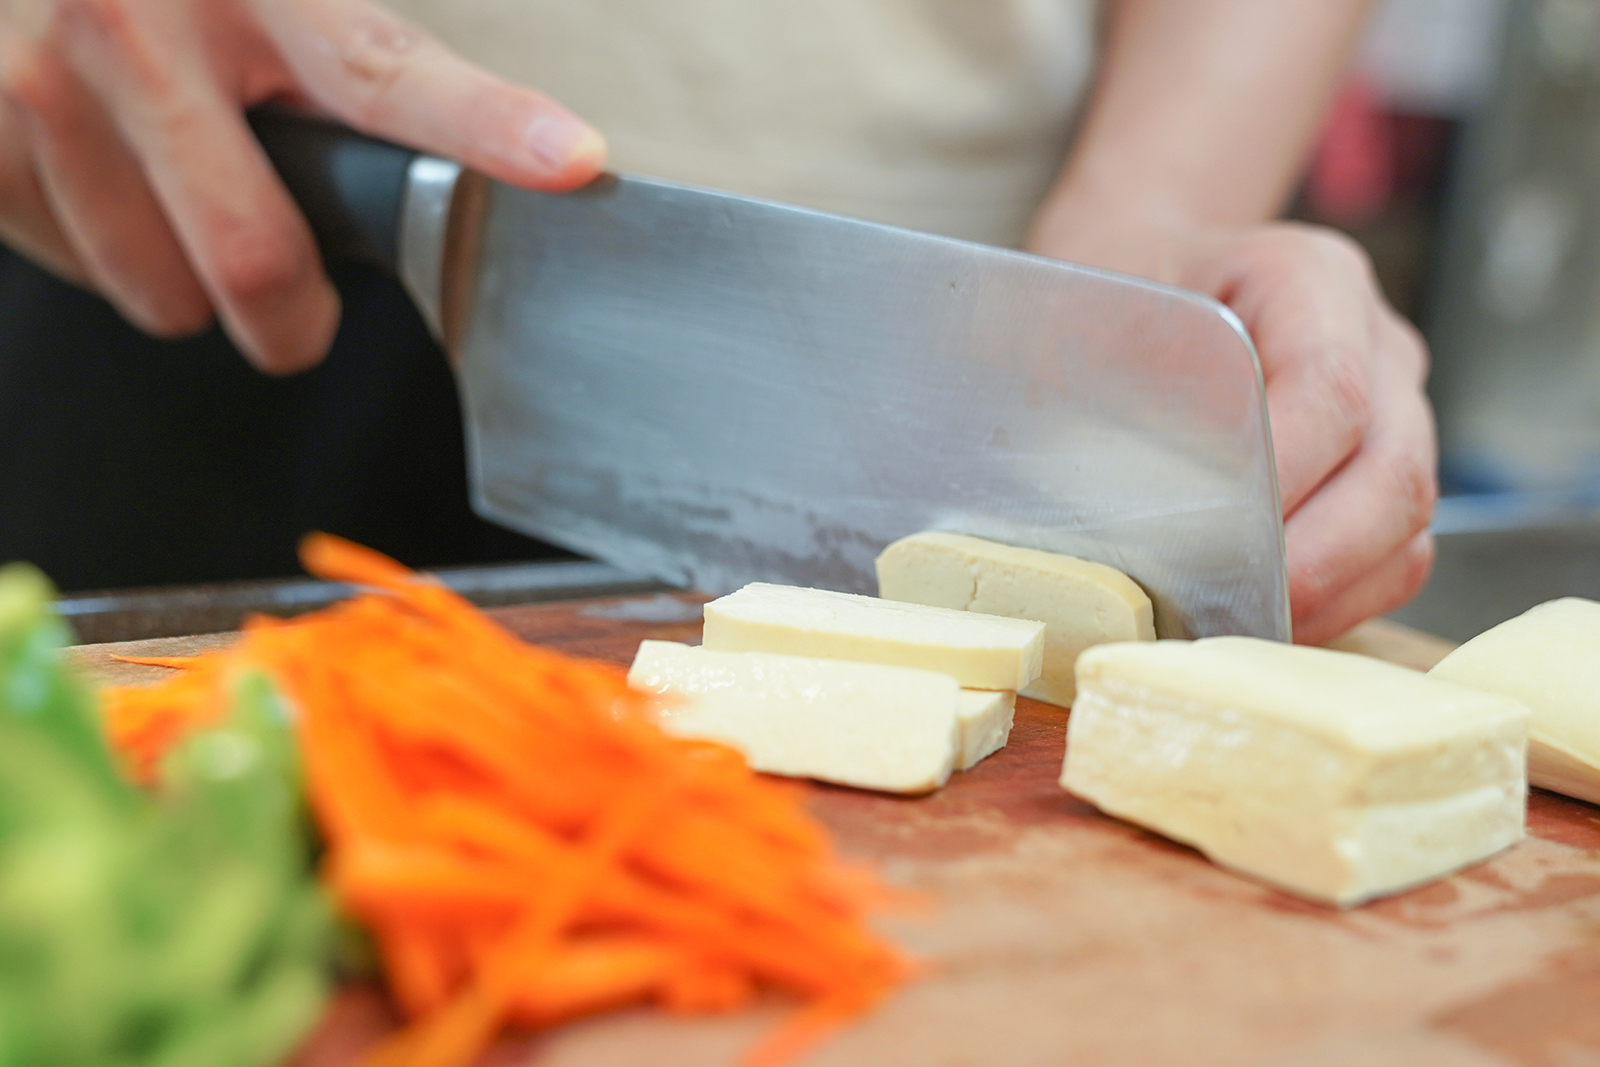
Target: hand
126 163
1351 426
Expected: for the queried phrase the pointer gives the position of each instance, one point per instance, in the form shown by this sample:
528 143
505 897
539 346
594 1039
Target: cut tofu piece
979 651
983 722
1549 659
1080 603
863 724
1332 775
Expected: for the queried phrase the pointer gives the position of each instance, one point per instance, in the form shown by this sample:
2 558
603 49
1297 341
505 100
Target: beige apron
950 116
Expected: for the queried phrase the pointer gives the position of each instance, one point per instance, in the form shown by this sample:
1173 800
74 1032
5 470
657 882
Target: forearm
1201 117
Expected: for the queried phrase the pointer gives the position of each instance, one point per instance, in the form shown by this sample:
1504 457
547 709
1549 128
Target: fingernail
559 139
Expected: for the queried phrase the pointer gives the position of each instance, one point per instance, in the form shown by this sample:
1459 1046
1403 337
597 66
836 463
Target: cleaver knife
711 389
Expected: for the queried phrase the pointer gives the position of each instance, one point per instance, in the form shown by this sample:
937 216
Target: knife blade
712 389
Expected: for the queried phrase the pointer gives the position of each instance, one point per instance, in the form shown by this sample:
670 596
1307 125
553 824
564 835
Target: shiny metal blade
713 390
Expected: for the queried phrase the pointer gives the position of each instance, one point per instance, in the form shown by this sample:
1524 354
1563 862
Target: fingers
113 230
1381 499
245 241
1352 430
388 78
1395 580
27 223
135 170
1317 317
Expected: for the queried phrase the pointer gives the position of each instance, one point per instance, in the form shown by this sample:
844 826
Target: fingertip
300 339
566 151
178 309
589 158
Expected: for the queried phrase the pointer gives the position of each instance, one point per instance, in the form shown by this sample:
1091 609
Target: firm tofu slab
861 724
1080 603
983 722
1334 776
1549 659
979 651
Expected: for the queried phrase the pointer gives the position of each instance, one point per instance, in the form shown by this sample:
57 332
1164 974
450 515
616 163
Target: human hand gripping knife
714 390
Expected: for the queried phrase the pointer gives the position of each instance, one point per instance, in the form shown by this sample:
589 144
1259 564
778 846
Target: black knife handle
350 187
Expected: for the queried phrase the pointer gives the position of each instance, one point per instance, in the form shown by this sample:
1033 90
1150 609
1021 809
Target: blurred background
1464 153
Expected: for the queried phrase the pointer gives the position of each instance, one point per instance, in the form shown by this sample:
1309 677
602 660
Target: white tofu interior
861 724
979 651
983 721
1549 659
1080 603
1332 775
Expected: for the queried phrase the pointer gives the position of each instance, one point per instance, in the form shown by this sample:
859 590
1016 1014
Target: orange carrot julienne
178 662
523 841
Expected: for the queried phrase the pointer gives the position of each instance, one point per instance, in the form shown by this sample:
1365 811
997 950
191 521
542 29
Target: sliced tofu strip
1549 659
1080 603
1332 775
979 651
983 720
860 724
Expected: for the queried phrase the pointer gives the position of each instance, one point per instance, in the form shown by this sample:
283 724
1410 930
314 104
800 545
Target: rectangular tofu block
1549 659
859 724
983 722
979 651
1080 603
1332 775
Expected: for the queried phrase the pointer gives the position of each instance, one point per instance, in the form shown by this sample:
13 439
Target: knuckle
1335 250
110 21
1344 388
1276 247
115 16
119 31
252 265
1413 487
1317 250
1412 348
32 78
1309 588
1418 565
1417 489
373 55
1342 250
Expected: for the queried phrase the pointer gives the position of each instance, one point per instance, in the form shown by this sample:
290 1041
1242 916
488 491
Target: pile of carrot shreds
522 840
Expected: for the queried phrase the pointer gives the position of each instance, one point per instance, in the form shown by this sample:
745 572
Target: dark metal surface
135 614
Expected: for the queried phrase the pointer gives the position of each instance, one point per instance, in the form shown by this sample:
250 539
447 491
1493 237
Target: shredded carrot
181 662
523 841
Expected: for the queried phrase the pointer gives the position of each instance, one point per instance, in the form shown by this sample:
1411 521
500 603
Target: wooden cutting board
1062 936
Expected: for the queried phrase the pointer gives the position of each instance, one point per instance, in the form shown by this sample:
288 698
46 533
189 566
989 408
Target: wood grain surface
1062 936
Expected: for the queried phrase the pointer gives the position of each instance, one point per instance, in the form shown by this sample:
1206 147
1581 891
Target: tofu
1334 776
1549 659
1080 603
983 723
979 651
867 725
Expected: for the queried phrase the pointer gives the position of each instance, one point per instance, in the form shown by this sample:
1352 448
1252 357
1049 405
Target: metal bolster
424 231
